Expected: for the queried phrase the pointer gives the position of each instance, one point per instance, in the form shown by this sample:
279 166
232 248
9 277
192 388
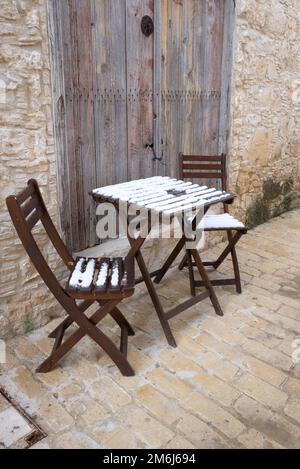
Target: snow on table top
162 194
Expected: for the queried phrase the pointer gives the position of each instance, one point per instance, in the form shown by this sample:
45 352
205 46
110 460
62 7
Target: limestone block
259 147
276 19
9 10
251 11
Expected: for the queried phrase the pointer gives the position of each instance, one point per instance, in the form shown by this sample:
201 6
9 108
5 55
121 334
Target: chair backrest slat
28 208
34 218
202 157
203 167
201 175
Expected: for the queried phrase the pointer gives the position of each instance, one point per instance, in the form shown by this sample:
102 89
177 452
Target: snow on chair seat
223 221
103 277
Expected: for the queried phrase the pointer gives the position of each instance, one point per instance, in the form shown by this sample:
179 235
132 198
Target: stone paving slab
13 427
17 429
232 382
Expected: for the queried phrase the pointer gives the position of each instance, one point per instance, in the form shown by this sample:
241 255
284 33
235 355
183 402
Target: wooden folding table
165 197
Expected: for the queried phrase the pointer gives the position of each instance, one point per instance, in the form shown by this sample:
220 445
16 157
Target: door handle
155 158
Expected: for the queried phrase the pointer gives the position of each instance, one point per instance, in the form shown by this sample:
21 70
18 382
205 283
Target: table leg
164 316
191 272
155 300
136 245
179 246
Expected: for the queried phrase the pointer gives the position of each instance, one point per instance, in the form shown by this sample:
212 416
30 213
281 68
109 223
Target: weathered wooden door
128 100
123 62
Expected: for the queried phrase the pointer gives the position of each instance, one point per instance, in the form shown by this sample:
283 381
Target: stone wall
264 164
265 133
26 151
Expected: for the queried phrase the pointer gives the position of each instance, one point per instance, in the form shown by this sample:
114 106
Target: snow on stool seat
102 278
223 221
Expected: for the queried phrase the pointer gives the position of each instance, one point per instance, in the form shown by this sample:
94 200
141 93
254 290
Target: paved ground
230 383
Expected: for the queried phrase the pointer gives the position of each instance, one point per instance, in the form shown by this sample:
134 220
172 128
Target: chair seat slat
107 278
116 274
128 280
102 278
82 276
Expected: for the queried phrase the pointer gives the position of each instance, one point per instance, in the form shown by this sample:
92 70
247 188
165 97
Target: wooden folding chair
213 167
104 281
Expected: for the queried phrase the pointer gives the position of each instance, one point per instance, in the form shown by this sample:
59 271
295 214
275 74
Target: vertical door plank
181 105
69 175
157 87
84 119
213 21
192 50
226 73
79 113
139 54
191 77
68 24
171 17
56 44
75 133
109 51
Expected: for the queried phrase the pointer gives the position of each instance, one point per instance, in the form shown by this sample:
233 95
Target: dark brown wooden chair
213 167
104 281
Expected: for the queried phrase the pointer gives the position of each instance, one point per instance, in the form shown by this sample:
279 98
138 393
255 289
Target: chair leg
207 283
116 314
121 321
124 341
67 322
236 271
88 327
232 240
58 353
115 354
102 340
229 249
